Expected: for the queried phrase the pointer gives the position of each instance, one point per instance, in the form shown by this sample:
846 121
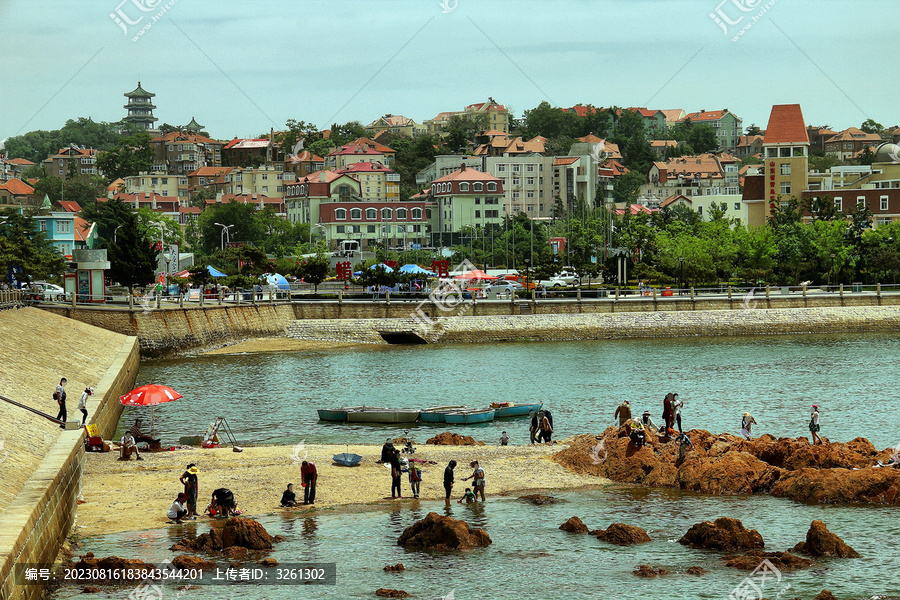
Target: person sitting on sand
129 446
288 497
746 423
177 511
504 439
469 497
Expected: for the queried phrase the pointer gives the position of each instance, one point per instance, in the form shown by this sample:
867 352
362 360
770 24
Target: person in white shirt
478 479
177 511
82 403
746 423
129 446
814 425
676 406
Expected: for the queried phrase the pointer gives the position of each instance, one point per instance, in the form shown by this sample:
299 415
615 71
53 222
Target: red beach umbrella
149 395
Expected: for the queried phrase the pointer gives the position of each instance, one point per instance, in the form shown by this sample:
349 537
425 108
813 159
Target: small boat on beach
337 414
369 414
470 416
437 414
508 409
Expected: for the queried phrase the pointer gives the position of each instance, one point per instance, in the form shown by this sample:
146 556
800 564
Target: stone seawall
42 464
597 326
169 331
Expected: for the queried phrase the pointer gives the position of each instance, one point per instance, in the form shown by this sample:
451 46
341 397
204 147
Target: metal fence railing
11 299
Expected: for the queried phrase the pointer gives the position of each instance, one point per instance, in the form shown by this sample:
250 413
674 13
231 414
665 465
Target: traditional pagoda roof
139 92
194 125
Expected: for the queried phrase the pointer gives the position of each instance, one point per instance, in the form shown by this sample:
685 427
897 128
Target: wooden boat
437 414
337 414
516 410
369 414
469 416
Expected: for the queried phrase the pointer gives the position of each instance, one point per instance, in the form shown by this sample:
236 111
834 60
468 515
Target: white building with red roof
180 152
466 198
377 182
304 196
348 154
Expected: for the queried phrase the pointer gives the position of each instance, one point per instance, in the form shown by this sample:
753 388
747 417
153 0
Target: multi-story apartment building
304 196
749 145
302 165
689 176
71 162
183 152
266 180
389 153
729 127
348 154
497 117
377 182
465 198
159 183
215 179
16 191
652 119
241 152
13 168
846 144
402 224
59 229
395 124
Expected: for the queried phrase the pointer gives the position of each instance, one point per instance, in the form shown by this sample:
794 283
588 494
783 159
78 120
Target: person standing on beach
814 424
623 412
676 408
396 471
477 478
82 403
310 476
546 429
504 439
448 482
415 479
746 423
191 489
61 400
533 430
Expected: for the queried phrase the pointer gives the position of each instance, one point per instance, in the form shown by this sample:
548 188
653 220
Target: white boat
369 414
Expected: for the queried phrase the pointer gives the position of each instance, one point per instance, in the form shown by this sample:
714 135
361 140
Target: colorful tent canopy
477 274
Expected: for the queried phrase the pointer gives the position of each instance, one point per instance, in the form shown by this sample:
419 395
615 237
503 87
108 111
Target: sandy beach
128 496
277 344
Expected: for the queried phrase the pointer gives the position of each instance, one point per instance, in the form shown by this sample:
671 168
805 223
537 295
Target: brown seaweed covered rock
386 593
783 561
648 571
447 438
722 534
821 542
574 525
539 500
622 534
436 532
192 563
246 533
832 486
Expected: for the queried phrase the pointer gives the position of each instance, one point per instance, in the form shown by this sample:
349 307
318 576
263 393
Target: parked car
568 277
48 292
507 288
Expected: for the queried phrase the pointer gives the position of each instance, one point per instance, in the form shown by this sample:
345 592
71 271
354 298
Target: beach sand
277 344
135 495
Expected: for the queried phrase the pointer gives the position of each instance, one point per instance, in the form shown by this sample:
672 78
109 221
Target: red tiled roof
706 115
853 134
17 187
211 171
479 106
366 167
786 125
239 143
465 174
82 229
673 199
191 210
70 206
637 209
672 114
114 186
177 136
19 161
581 110
392 121
590 139
374 145
565 160
351 149
305 156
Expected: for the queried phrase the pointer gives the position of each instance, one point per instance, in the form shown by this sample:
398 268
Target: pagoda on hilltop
140 108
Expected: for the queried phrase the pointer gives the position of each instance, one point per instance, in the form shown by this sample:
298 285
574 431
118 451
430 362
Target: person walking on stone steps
448 482
61 400
82 403
814 424
623 412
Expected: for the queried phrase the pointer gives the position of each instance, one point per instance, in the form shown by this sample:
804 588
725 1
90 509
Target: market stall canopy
477 274
214 271
416 270
278 281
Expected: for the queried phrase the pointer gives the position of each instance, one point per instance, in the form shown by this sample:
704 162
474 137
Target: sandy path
277 344
126 496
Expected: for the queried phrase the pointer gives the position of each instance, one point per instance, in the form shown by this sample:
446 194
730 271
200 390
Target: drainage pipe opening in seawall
402 337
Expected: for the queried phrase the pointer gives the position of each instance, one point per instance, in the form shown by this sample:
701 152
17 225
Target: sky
241 68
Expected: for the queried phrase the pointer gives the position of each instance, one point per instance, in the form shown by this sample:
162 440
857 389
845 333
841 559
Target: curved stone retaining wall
559 327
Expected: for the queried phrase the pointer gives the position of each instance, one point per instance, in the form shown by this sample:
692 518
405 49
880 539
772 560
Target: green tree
626 187
246 226
702 138
50 186
23 244
871 126
85 189
461 130
315 269
294 132
130 156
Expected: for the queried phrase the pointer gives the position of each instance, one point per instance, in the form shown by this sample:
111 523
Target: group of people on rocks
221 503
671 417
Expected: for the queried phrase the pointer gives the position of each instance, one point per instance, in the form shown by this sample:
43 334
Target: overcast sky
241 67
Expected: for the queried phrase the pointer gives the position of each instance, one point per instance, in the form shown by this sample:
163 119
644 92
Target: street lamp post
681 275
831 272
116 233
226 232
324 231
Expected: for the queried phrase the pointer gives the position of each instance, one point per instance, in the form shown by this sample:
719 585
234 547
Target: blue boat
438 414
470 416
337 414
517 410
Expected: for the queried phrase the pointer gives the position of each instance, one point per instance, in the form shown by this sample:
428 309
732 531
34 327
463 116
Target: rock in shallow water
622 534
722 534
821 542
436 532
574 525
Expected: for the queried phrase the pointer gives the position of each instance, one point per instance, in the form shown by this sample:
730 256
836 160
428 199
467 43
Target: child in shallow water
469 497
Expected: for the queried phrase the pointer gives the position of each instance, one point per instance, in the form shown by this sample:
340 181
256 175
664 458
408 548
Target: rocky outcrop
574 525
237 536
722 534
395 568
821 542
386 593
192 563
268 562
622 534
648 571
728 464
825 595
696 571
447 438
783 561
539 500
436 532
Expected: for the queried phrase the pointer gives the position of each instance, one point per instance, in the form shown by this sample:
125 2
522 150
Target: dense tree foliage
38 145
23 245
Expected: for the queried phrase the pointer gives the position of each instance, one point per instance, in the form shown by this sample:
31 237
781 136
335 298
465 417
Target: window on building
785 168
501 168
529 168
478 187
463 187
839 203
491 214
401 214
427 213
477 214
340 214
785 187
477 200
882 221
355 214
416 214
387 213
344 193
515 195
884 203
529 194
699 210
63 227
737 206
371 214
370 228
492 187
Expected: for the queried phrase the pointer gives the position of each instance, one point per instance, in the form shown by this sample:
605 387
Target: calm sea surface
272 398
